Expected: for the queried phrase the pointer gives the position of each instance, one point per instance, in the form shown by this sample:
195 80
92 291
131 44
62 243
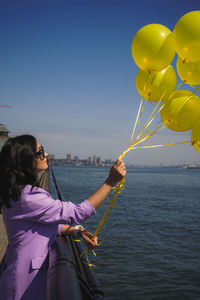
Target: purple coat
32 224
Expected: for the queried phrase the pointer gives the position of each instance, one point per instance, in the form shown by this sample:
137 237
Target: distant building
69 157
90 160
3 135
76 158
108 161
94 159
99 160
51 156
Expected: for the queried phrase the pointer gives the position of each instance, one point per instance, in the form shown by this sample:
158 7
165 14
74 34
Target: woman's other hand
88 238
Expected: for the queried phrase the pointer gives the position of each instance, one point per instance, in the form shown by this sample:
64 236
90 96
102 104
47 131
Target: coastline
64 162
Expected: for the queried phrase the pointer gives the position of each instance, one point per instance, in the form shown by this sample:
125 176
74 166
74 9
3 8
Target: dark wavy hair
17 167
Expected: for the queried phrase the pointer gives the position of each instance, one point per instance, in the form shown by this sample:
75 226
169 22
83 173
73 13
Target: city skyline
68 77
92 158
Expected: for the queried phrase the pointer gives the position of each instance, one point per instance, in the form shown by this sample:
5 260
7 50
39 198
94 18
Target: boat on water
191 166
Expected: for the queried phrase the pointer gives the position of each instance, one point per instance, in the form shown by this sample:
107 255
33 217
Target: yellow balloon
189 72
156 85
153 47
195 136
187 36
181 110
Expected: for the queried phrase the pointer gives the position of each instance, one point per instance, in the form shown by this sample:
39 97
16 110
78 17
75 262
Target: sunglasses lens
41 153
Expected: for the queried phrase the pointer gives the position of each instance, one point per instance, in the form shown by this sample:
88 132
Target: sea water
151 241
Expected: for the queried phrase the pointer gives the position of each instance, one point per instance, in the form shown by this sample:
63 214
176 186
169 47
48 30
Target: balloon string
117 190
150 119
195 89
139 113
142 111
144 134
180 84
142 137
136 120
85 254
144 89
162 145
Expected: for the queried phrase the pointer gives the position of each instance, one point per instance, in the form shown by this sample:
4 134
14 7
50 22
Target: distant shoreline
62 162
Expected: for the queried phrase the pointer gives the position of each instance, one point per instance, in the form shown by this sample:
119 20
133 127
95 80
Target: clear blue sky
67 71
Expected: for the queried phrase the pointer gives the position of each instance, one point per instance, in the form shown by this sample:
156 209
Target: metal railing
68 277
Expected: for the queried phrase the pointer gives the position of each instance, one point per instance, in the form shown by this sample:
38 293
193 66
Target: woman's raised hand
117 172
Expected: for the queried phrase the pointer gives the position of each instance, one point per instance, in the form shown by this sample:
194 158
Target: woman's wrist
78 229
110 182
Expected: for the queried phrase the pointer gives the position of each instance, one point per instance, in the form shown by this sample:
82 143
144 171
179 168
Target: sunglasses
41 153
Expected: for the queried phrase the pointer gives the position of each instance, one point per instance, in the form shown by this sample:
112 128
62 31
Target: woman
33 219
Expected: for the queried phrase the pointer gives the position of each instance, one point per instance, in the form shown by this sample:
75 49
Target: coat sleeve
37 205
59 228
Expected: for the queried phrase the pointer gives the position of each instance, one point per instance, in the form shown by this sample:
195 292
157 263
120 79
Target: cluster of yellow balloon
153 49
187 44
